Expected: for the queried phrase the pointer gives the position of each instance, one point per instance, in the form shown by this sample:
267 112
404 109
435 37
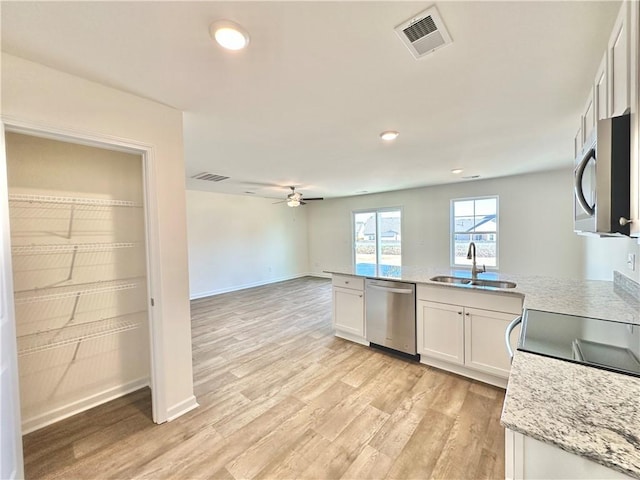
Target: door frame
147 153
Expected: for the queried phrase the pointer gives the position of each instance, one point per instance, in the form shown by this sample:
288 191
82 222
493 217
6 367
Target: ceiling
305 102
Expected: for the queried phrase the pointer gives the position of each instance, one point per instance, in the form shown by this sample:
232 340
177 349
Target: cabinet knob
346 282
625 221
467 314
459 313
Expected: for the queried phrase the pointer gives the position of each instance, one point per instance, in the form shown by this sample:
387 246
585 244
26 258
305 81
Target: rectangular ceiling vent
210 177
424 33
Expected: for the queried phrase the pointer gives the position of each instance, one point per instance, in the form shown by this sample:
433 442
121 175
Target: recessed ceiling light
456 171
389 135
229 35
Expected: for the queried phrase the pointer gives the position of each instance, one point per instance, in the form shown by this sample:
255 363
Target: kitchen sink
493 283
445 279
476 283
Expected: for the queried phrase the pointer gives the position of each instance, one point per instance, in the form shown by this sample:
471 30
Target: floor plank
280 398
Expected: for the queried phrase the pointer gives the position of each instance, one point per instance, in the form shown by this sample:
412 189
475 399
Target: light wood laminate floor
281 397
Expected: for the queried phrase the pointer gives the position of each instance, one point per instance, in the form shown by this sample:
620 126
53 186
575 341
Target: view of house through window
378 241
474 220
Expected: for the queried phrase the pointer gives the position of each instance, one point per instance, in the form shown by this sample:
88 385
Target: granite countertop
589 298
584 410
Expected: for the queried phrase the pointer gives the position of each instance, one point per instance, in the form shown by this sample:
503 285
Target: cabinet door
589 117
485 349
578 141
618 64
440 331
600 91
348 310
528 459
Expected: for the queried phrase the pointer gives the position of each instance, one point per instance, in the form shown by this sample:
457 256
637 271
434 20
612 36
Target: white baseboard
319 274
35 423
351 337
465 372
182 408
235 288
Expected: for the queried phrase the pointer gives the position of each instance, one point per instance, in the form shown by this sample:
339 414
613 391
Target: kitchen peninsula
582 410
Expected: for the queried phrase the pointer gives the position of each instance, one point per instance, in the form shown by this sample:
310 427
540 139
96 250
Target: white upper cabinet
615 92
589 117
578 141
600 92
618 64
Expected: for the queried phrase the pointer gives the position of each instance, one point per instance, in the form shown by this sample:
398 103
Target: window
474 220
377 241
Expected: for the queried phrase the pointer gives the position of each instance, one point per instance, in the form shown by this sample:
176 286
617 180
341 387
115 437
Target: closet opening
79 227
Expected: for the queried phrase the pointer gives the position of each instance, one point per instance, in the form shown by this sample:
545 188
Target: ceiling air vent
424 33
210 177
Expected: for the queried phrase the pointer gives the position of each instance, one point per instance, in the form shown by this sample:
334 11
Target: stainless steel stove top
594 342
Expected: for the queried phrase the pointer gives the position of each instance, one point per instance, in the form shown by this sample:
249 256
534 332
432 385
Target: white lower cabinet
455 335
348 308
440 331
484 347
528 459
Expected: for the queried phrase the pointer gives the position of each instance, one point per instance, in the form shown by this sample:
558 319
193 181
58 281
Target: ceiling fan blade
317 198
281 201
302 203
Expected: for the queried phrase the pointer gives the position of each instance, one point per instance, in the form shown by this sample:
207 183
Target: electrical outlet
631 261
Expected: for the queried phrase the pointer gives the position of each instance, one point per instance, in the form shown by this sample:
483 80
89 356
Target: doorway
81 273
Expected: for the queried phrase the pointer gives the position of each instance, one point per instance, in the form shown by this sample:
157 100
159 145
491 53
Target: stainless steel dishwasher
390 314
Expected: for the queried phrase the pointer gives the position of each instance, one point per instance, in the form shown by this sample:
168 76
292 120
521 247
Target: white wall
535 231
36 94
238 241
604 255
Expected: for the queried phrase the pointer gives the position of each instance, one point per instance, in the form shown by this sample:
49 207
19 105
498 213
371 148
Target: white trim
319 274
375 211
35 423
110 142
11 457
235 288
181 408
464 371
351 337
156 330
452 263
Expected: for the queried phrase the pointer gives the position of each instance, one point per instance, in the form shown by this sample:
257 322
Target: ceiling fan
294 199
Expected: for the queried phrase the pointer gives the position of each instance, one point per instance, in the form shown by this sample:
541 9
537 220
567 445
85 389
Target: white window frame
376 211
452 256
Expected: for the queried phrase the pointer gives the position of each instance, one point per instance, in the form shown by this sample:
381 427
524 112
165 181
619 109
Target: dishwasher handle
405 291
507 335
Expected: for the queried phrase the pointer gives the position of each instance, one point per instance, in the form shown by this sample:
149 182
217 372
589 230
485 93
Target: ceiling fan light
292 202
229 35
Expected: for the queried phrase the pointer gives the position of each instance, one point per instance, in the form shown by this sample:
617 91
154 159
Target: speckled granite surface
583 410
589 298
587 411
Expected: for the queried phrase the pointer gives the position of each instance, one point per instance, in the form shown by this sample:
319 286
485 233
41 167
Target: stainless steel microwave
601 177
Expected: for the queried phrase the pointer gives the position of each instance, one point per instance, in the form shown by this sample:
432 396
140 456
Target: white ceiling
304 104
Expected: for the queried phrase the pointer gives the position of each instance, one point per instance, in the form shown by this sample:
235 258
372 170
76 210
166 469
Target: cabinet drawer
475 298
348 281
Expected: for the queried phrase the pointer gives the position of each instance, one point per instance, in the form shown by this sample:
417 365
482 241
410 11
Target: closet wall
79 263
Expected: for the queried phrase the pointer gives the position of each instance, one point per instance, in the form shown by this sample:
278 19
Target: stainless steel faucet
471 255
